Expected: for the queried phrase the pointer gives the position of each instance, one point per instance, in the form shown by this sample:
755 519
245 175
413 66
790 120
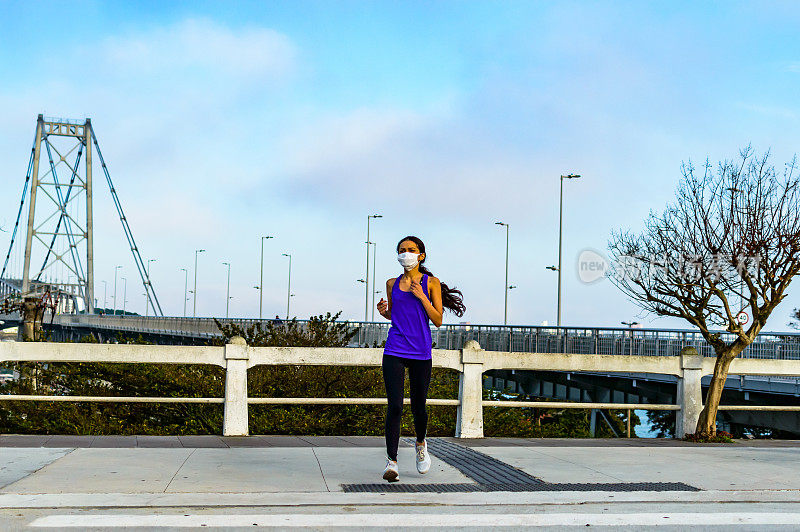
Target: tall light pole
553 268
505 285
261 281
185 286
228 291
374 254
366 283
289 287
560 219
194 292
124 294
105 286
630 325
147 303
115 288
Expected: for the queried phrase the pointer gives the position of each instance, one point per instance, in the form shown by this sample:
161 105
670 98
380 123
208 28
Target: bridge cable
128 233
19 214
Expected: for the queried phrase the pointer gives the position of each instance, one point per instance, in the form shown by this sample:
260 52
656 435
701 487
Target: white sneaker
391 473
423 458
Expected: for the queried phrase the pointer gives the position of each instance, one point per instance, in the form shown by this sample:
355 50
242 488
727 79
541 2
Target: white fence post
469 415
690 392
235 421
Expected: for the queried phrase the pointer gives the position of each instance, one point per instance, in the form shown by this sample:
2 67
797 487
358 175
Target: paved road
102 483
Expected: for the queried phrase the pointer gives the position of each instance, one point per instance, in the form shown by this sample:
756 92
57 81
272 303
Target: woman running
416 298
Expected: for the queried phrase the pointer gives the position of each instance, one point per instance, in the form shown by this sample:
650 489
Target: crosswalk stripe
416 520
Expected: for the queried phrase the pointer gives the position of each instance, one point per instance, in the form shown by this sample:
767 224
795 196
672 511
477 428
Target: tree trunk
28 329
707 422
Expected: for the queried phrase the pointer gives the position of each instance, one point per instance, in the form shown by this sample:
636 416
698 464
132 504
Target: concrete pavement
46 476
271 464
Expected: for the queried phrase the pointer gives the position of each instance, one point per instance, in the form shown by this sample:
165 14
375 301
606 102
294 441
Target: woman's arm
386 311
433 306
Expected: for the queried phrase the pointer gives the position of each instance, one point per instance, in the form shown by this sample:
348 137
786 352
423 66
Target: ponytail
452 298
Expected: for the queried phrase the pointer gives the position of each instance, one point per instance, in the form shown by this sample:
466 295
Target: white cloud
343 161
772 111
335 140
199 48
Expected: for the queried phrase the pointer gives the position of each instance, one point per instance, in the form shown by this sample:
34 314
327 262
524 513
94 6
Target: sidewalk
102 483
335 464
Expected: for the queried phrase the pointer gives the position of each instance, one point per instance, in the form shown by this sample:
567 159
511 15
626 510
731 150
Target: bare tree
729 244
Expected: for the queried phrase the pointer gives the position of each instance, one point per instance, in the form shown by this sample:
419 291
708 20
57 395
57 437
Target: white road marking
417 520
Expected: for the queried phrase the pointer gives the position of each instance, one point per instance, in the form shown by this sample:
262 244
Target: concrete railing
528 339
471 362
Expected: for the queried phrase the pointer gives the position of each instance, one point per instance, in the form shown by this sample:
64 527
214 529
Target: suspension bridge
58 234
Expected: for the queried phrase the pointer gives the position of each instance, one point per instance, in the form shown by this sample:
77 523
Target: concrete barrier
471 362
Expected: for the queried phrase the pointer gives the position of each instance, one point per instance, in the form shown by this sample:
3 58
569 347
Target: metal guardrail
528 339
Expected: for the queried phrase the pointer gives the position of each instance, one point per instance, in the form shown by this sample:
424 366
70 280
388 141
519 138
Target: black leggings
419 377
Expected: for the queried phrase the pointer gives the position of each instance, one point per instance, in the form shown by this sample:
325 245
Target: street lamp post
560 219
105 287
261 282
147 288
289 287
505 285
553 268
124 294
630 325
366 284
228 291
115 288
374 254
69 288
194 292
185 286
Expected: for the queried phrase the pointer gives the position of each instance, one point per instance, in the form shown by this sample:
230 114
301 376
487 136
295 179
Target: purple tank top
410 333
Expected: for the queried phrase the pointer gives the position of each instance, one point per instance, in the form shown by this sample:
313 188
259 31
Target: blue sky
225 121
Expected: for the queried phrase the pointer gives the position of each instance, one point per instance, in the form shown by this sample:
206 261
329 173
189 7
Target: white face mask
408 260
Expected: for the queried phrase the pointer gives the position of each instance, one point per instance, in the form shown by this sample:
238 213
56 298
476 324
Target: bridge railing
470 361
529 339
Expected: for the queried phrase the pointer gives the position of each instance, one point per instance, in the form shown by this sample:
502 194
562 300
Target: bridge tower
63 234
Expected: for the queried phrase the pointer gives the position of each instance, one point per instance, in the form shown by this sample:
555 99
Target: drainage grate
541 486
481 468
491 474
622 486
413 488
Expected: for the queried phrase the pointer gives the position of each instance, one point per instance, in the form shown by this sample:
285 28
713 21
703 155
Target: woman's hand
416 289
383 306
